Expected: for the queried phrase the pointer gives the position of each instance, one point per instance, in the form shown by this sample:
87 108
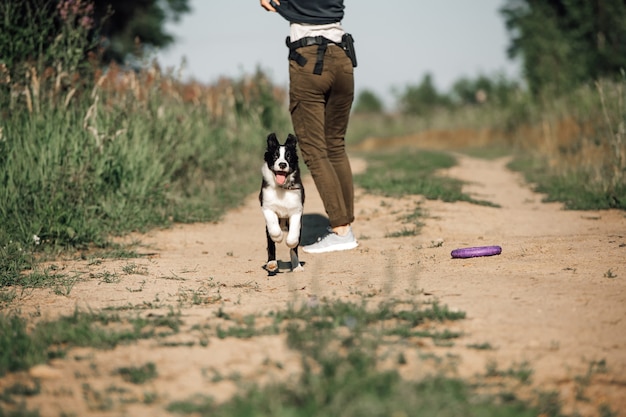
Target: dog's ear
291 140
272 141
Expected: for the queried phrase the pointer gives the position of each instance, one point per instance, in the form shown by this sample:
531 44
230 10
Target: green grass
20 348
66 188
572 147
138 374
357 390
116 161
576 191
20 411
86 162
342 346
345 350
413 172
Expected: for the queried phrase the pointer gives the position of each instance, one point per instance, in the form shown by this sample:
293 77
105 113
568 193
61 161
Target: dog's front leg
296 266
272 264
293 240
273 225
295 226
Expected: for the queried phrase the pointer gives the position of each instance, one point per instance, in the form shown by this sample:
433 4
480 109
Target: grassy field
572 148
132 151
129 151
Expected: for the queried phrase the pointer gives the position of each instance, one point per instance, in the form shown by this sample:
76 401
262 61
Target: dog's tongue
280 178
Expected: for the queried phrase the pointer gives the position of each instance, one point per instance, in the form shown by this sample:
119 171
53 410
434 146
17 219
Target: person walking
321 92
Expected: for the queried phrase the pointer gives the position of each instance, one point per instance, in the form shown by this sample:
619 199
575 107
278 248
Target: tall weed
129 154
577 147
89 152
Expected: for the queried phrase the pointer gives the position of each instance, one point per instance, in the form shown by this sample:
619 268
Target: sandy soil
554 300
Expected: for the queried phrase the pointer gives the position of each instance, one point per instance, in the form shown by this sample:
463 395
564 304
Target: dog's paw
272 266
298 268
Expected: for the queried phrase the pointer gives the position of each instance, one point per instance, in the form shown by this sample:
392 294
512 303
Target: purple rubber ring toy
476 251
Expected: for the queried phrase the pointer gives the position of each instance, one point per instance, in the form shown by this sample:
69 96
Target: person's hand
267 6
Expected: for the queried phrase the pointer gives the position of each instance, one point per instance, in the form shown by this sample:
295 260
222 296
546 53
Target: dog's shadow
314 226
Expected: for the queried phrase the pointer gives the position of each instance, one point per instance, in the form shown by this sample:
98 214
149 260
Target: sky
397 42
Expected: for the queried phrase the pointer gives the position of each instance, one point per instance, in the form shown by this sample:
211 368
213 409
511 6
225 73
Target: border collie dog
282 200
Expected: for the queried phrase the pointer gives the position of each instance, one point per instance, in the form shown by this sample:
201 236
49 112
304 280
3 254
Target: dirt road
554 300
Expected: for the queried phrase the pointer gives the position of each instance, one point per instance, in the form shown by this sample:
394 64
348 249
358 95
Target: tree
31 29
423 98
124 23
368 102
563 43
496 89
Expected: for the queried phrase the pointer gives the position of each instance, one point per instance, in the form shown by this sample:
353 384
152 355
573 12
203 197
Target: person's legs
337 115
320 109
308 94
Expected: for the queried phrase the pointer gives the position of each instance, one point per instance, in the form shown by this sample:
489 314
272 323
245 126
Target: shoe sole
333 248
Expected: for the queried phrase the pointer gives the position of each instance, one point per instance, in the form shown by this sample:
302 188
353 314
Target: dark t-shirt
317 12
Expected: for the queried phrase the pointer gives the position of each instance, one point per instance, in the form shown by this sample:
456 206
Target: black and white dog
282 200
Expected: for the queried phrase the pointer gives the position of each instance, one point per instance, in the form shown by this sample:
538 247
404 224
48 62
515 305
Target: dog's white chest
283 202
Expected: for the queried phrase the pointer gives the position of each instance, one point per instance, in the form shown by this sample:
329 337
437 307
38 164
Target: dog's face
282 160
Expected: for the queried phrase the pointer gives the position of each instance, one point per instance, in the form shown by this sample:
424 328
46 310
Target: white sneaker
332 242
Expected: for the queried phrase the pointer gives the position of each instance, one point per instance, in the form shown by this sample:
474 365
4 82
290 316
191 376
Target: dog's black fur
282 199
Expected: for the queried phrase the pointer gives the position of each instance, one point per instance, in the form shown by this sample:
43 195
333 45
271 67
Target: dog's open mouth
281 177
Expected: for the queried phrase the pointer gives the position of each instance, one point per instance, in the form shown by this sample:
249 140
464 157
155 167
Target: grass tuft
413 172
20 348
138 374
343 345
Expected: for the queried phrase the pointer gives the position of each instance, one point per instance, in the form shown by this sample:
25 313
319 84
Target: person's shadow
314 226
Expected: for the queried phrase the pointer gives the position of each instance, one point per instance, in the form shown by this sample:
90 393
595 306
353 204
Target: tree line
111 30
561 44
